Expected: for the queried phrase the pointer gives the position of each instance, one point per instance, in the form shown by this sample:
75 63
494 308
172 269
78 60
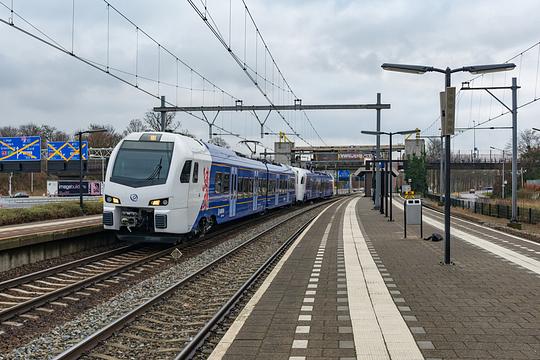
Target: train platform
14 236
351 287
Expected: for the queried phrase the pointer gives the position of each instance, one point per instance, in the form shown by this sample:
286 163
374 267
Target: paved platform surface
27 234
352 287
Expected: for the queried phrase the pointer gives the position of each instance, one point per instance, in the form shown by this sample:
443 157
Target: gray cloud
330 51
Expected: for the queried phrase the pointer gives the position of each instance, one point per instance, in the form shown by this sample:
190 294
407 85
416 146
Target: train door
195 194
278 189
255 189
287 188
234 191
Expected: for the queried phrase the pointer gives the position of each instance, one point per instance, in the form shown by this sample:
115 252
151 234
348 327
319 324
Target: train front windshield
142 163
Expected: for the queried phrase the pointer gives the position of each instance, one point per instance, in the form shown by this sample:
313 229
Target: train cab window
302 181
186 171
196 172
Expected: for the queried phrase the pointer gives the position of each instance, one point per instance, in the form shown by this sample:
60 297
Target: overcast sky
329 51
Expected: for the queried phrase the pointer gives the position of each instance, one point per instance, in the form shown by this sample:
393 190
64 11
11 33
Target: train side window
218 183
196 172
225 183
240 185
186 171
262 186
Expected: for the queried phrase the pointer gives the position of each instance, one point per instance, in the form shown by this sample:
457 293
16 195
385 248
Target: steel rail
38 301
62 267
95 339
189 351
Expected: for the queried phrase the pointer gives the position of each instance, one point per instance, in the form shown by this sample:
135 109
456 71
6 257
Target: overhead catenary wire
46 39
503 110
252 74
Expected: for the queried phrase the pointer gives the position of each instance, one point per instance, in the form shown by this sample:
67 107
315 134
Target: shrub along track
179 319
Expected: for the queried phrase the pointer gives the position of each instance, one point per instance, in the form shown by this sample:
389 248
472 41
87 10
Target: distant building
283 152
414 147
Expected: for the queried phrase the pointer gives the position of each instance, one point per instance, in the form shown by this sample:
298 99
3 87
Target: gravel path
68 334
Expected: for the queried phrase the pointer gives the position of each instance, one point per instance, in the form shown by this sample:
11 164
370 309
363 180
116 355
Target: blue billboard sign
23 148
343 175
66 150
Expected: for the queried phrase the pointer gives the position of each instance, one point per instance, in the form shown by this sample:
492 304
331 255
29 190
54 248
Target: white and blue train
164 186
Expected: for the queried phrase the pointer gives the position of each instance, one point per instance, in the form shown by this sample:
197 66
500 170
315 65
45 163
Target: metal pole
80 171
102 169
10 182
377 157
164 115
31 183
386 188
447 185
514 150
441 175
390 178
503 187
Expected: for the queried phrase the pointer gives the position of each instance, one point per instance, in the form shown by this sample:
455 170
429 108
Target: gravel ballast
62 337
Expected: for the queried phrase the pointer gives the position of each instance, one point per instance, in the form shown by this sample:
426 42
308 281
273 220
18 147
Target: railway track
32 296
175 323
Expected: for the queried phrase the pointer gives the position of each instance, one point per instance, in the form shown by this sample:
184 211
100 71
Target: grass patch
59 210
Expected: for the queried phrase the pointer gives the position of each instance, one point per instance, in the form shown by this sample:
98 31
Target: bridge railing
478 158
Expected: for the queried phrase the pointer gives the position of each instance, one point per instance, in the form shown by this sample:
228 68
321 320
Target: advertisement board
71 188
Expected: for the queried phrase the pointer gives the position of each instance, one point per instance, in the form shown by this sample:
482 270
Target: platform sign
66 150
448 111
24 148
343 175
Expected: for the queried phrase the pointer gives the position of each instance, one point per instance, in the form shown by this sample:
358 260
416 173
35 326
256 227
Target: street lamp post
474 69
79 135
390 134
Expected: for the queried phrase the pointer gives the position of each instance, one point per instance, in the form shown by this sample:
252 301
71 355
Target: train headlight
112 199
159 202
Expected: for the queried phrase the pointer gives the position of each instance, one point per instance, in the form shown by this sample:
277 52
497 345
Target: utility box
412 214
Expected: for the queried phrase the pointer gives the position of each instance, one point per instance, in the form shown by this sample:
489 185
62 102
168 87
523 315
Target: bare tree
9 131
528 139
153 121
46 132
103 139
219 141
434 149
135 125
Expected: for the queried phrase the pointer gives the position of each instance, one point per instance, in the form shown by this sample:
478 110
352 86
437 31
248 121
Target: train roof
231 157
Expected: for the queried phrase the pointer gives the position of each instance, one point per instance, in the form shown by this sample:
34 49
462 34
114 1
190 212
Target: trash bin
412 214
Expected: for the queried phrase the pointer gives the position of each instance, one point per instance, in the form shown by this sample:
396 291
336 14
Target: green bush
51 211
